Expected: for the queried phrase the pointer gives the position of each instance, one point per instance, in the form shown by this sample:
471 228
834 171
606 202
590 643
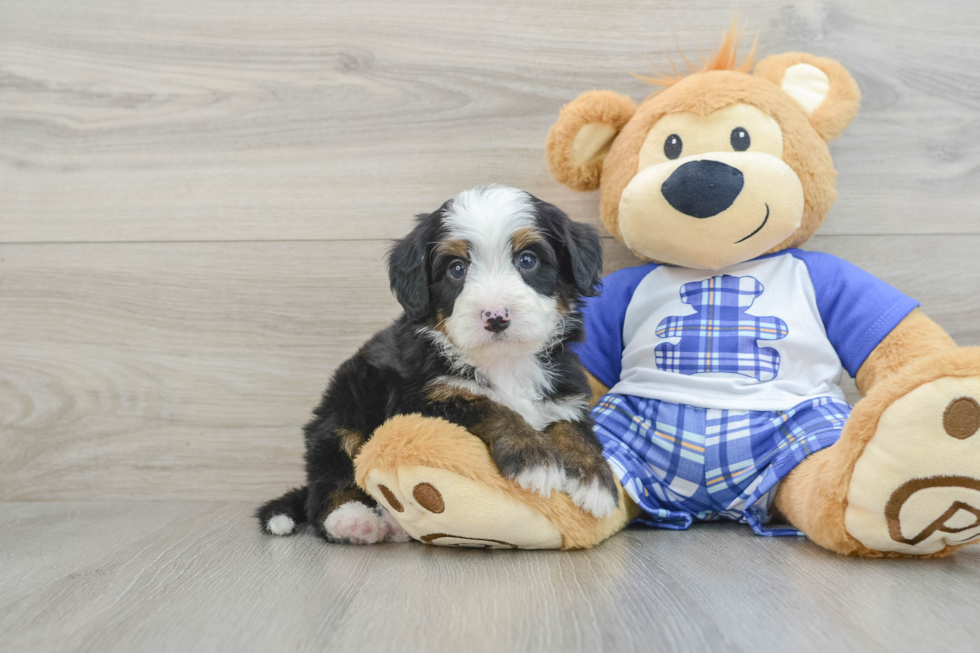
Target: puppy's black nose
496 324
703 188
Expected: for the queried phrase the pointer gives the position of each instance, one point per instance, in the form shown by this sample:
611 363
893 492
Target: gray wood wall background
196 195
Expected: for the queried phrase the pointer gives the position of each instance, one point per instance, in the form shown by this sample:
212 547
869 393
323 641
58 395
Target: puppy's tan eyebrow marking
524 237
458 248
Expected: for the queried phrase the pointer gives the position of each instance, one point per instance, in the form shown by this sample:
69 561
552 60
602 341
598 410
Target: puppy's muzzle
496 320
703 188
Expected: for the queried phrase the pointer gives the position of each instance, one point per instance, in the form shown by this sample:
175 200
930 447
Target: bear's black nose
703 188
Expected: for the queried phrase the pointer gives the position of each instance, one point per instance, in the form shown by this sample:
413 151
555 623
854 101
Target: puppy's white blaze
591 497
487 216
354 522
395 532
281 525
542 479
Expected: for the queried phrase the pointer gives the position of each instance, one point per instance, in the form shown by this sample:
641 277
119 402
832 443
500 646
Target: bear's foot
435 506
916 487
439 483
904 478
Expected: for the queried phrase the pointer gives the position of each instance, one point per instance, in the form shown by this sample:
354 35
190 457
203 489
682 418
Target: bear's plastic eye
673 146
457 269
740 139
527 261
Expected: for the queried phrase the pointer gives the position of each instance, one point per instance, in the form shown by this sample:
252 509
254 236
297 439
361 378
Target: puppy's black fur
394 373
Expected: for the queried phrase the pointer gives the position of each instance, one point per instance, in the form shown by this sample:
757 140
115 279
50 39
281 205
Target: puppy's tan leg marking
440 392
351 441
347 495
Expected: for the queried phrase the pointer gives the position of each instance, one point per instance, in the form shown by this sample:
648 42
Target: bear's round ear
581 138
828 94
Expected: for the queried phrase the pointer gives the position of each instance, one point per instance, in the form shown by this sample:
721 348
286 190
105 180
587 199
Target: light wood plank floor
198 576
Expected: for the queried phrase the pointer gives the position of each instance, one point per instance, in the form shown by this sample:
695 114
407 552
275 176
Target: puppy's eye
457 269
740 139
673 146
527 261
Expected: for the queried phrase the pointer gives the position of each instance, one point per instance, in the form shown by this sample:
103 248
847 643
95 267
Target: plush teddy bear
715 366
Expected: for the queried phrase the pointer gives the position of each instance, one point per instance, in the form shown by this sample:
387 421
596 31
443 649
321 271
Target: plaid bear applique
721 336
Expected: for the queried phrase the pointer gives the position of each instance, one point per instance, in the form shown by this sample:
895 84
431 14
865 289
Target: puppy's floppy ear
585 249
577 246
579 141
824 89
407 269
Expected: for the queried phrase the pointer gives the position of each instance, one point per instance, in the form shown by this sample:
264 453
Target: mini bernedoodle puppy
490 284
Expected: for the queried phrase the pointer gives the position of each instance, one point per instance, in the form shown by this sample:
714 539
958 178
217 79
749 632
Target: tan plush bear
716 365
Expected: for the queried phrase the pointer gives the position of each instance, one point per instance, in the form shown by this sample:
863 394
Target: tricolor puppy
490 284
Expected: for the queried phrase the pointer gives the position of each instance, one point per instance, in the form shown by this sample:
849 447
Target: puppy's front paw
541 479
532 462
593 494
588 479
590 483
355 523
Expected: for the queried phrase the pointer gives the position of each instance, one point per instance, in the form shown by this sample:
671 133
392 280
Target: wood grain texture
265 120
169 576
131 369
185 370
196 197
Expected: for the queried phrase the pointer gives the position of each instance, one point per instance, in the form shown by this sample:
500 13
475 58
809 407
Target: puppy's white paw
591 496
541 479
395 532
355 523
281 525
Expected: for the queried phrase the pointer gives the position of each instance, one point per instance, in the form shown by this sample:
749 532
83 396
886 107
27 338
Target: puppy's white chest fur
521 384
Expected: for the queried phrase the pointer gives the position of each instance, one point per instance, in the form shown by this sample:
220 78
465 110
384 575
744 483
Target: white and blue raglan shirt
763 335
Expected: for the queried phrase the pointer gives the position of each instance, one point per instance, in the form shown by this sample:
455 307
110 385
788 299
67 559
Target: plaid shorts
680 463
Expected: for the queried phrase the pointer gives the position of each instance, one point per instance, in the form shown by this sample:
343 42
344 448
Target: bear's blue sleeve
858 309
604 314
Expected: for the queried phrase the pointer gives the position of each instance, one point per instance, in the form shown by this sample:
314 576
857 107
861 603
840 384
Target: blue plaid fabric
682 463
721 336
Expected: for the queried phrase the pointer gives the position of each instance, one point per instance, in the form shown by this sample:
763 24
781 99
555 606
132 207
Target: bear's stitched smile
757 229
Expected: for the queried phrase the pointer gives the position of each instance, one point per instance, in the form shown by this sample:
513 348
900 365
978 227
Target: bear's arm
602 317
868 322
597 387
914 337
